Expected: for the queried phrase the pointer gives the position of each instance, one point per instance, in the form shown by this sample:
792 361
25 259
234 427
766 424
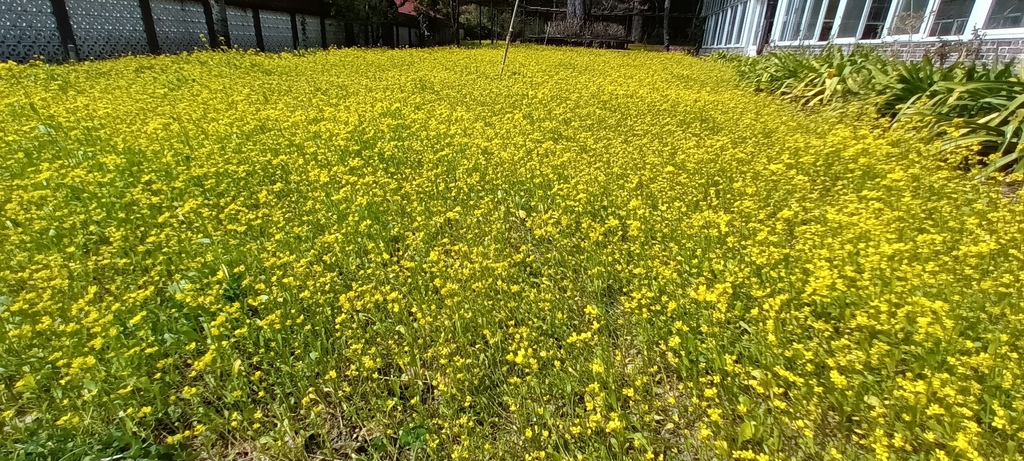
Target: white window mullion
978 16
737 33
728 27
821 20
750 29
781 31
838 21
863 21
803 21
780 11
926 25
893 8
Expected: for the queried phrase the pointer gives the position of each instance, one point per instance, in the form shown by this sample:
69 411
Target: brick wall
940 52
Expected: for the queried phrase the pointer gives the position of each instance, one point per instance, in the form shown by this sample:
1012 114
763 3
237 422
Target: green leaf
746 431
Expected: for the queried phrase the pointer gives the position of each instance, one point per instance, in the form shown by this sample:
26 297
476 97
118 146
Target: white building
748 26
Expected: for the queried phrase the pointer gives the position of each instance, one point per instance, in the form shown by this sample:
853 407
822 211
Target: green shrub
965 104
986 114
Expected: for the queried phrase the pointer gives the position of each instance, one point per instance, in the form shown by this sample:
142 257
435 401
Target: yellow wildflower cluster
393 254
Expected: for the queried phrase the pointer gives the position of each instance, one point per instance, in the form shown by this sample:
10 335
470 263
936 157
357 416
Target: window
1006 14
737 33
712 30
852 15
709 25
828 22
791 20
718 26
875 20
951 17
908 18
864 19
810 28
723 38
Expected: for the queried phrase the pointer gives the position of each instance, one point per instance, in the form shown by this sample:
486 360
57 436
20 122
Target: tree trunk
664 26
577 13
350 34
456 16
220 22
637 34
424 22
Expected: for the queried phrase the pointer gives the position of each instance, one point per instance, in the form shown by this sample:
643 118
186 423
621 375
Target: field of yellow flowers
394 254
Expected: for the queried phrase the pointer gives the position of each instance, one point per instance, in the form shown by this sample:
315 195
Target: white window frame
733 25
921 29
753 28
976 21
741 18
817 24
777 33
860 26
726 31
776 36
710 22
983 8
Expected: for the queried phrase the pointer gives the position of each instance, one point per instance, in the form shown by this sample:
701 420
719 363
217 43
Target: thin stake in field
508 38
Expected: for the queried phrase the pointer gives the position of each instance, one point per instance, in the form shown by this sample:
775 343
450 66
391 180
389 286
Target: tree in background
636 32
451 9
577 13
375 17
664 26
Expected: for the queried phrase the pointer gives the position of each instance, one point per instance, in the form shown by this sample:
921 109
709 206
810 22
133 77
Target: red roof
406 7
409 7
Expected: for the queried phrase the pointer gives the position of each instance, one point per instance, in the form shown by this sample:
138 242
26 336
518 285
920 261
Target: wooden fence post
67 34
258 25
295 32
323 32
211 26
149 23
219 17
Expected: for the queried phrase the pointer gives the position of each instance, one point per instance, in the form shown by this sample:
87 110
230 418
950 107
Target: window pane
714 32
811 21
877 13
1006 14
737 33
852 15
710 35
782 19
723 28
794 17
829 21
951 17
719 23
909 17
727 27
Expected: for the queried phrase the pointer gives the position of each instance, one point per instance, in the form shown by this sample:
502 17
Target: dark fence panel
56 30
335 33
107 28
180 25
242 28
277 30
29 28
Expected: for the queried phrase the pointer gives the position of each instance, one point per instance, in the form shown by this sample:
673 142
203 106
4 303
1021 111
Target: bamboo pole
508 38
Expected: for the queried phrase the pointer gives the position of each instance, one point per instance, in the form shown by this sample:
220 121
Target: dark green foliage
989 114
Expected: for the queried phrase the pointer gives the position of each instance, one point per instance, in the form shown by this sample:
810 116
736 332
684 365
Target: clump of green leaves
963 104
